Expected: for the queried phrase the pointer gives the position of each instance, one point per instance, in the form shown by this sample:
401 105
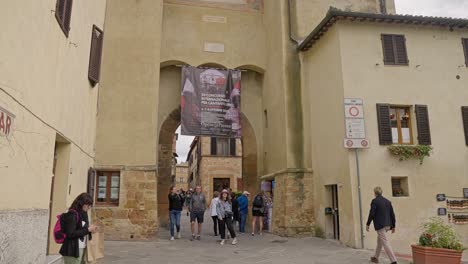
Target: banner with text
210 102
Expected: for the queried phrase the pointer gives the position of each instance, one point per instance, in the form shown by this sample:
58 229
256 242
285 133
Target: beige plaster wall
185 32
435 59
323 101
128 102
48 74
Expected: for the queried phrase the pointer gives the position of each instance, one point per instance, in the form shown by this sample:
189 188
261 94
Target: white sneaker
234 241
222 242
178 235
172 238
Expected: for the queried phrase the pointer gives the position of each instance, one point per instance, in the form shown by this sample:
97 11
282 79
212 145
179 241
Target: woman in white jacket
214 213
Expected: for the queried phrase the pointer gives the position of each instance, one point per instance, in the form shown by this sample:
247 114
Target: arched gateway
139 104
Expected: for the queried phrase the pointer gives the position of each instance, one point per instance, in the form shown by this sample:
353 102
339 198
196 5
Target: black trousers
226 222
215 225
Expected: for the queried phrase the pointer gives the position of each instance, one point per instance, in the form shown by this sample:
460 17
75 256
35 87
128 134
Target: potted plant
438 244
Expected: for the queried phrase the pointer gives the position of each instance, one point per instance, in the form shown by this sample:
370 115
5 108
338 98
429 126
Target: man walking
197 210
382 214
243 201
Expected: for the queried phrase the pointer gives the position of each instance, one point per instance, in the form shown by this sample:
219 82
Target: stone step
54 259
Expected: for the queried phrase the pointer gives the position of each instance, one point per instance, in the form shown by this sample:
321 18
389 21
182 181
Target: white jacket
213 205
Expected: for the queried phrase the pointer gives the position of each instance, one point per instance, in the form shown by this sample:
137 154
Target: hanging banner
210 102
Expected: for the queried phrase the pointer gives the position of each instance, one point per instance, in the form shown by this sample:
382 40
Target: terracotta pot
428 255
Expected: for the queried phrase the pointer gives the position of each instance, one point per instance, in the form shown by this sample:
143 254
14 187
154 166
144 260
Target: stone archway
169 120
165 159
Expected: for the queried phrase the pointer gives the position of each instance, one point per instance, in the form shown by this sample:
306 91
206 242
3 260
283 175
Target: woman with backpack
258 210
224 211
75 226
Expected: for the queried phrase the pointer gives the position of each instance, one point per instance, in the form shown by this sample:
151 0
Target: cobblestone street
259 249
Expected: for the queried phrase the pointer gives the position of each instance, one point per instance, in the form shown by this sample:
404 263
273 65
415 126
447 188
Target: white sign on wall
355 135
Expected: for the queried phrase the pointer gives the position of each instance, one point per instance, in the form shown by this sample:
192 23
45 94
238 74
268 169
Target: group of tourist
226 209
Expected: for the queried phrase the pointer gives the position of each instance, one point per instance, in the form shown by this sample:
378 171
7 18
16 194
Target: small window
95 54
394 49
63 11
400 121
108 187
223 146
400 186
465 49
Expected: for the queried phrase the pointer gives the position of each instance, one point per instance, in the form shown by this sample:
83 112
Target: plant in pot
438 244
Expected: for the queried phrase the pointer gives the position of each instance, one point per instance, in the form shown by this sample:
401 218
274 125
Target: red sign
6 122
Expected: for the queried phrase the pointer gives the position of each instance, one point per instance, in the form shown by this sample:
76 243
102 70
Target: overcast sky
444 8
183 146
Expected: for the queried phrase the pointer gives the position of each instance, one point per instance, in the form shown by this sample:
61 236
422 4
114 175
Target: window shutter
95 54
213 146
91 182
465 122
422 118
385 127
388 51
383 7
232 147
465 49
63 11
67 16
400 49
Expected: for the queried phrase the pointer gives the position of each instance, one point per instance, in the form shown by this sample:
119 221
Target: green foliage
405 152
438 234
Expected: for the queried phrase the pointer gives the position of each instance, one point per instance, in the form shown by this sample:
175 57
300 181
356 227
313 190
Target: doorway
220 184
335 211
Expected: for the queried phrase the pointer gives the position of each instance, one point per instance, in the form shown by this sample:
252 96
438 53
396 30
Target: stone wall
23 236
136 216
219 167
293 211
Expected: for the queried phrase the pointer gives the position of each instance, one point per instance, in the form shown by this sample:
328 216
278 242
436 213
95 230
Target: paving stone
250 250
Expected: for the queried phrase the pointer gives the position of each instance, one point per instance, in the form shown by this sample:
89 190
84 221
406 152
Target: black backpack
258 201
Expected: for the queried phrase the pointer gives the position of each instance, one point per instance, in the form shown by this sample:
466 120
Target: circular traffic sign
353 111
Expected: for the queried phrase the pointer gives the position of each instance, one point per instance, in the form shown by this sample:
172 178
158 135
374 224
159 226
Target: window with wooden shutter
384 125
91 182
465 122
394 49
95 55
465 50
232 147
63 11
108 187
213 146
422 118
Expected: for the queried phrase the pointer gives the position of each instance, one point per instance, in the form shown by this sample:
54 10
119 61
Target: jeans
174 220
226 222
242 220
215 225
73 260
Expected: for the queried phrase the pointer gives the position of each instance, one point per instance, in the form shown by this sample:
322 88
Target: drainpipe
290 24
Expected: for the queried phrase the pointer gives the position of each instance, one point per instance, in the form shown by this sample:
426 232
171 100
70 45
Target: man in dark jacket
381 213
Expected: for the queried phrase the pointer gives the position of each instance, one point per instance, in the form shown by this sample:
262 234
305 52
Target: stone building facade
219 165
182 176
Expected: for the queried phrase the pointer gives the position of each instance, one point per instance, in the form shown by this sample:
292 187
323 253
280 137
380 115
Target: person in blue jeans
176 202
243 201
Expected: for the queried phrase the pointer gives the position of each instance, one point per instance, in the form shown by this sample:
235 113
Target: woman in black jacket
75 225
